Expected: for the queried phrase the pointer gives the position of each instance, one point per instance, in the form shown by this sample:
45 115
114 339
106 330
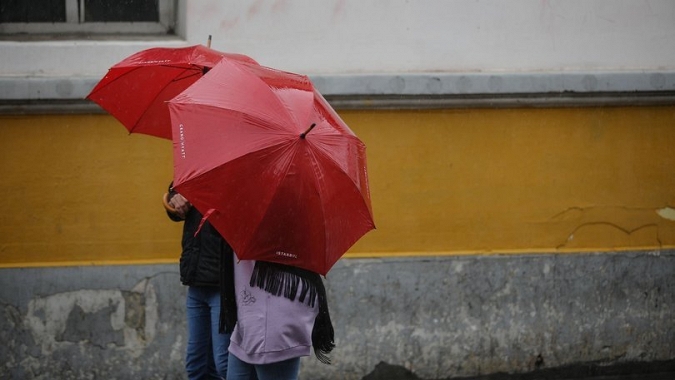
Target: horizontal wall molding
398 91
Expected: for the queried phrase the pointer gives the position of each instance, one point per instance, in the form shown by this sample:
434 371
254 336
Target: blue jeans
206 356
285 370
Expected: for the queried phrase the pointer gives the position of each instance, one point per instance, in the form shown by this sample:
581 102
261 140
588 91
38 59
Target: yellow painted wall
79 189
458 181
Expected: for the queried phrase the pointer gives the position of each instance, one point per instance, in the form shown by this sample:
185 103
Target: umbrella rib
361 199
267 201
335 162
323 210
272 197
132 71
114 80
193 71
157 95
258 119
315 167
343 173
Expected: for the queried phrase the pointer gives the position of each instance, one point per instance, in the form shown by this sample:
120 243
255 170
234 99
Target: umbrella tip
302 135
208 42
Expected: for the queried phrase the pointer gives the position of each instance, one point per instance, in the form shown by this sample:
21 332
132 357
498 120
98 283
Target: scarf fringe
280 281
284 280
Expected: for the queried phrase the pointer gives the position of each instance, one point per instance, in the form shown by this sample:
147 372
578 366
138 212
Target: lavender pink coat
269 328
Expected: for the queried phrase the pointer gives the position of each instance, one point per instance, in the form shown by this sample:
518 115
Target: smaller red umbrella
274 168
135 90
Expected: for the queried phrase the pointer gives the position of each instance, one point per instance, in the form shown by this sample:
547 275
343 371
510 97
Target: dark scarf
228 301
282 280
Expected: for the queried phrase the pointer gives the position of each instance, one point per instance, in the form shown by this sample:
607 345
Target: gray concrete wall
438 316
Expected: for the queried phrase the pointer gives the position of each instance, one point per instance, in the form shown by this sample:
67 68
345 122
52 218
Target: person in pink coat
281 313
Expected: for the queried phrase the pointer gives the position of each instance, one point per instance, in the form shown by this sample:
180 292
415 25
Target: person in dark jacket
203 269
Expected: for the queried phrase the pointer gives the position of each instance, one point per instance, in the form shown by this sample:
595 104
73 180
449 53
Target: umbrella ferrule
302 135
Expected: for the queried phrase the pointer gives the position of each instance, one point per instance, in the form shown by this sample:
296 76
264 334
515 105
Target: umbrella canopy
136 89
264 156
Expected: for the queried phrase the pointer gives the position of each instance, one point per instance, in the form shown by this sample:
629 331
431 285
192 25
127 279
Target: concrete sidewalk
664 370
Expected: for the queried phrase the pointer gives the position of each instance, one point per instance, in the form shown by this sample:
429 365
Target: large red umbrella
136 89
271 165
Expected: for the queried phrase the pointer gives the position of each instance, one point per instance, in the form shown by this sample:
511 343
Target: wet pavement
663 370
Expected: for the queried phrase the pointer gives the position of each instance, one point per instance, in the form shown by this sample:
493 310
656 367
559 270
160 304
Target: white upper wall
371 36
404 36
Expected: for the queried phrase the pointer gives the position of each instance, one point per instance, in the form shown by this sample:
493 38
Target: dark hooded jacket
202 256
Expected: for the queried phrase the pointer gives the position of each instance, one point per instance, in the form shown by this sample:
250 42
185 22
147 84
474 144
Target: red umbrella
271 165
136 89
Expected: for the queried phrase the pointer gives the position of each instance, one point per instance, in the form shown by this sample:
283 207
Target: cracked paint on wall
612 227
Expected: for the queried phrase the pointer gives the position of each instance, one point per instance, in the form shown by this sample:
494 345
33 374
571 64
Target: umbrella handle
167 206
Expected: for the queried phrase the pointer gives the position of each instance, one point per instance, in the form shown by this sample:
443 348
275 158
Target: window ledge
72 58
414 90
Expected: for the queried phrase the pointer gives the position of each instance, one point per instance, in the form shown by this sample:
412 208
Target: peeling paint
103 318
666 213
